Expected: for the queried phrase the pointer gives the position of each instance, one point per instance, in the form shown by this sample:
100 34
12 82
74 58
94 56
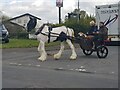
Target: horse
47 34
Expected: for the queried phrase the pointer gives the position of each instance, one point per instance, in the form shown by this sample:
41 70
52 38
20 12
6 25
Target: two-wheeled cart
88 46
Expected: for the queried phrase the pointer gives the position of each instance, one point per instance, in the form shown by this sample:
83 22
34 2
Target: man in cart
103 32
99 35
93 28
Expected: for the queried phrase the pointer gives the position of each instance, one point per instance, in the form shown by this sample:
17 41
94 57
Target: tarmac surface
22 69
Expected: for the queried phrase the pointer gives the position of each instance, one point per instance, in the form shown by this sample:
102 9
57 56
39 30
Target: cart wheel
87 52
102 52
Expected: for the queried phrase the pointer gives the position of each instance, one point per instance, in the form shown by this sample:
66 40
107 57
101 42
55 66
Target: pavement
22 69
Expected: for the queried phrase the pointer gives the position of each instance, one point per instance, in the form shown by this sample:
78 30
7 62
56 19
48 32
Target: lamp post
59 4
78 13
59 15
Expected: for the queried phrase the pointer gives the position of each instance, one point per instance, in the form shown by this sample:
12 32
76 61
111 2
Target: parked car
4 34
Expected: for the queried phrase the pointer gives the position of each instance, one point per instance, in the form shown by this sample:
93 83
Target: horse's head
31 24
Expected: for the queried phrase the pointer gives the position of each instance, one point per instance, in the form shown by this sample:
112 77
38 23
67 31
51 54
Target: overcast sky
46 9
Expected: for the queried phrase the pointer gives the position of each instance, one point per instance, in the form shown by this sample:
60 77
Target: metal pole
78 14
59 15
78 5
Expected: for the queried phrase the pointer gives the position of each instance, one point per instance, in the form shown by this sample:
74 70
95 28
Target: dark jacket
103 31
92 30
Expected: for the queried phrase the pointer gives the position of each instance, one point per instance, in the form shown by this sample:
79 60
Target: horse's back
59 28
68 31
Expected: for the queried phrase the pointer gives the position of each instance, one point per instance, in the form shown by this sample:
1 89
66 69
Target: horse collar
40 29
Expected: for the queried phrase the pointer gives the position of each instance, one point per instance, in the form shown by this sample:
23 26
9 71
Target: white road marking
19 64
37 65
29 64
13 63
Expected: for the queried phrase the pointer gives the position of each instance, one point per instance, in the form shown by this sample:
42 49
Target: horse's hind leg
74 55
58 55
42 51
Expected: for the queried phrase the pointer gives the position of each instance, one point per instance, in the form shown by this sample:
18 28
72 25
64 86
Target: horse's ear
31 24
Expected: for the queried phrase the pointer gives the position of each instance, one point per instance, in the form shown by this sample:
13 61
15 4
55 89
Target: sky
46 9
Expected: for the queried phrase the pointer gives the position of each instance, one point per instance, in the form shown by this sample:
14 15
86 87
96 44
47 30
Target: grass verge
24 43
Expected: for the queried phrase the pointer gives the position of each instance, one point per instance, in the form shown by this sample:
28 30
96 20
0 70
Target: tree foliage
78 25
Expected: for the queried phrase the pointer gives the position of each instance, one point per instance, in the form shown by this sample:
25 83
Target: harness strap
54 34
49 33
40 29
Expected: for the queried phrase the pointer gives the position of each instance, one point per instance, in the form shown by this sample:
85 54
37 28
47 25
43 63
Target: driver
93 28
100 35
93 32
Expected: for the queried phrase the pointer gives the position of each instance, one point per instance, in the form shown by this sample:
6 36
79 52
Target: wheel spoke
87 52
102 52
103 49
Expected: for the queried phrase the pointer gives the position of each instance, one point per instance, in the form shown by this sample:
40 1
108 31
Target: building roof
26 14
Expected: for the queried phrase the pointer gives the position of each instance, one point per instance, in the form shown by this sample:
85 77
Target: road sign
59 3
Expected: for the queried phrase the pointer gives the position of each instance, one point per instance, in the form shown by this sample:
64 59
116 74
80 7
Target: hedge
19 35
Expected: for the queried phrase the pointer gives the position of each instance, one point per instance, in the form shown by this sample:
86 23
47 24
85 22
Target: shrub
19 35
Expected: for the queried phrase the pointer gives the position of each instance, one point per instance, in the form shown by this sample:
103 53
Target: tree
83 14
79 26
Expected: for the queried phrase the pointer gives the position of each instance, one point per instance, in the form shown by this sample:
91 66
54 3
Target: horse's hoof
41 59
56 57
73 58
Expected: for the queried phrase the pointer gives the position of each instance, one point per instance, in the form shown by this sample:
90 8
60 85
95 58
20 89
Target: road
21 69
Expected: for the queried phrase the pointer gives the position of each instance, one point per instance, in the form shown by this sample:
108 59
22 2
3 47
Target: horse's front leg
39 49
58 55
42 51
74 55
